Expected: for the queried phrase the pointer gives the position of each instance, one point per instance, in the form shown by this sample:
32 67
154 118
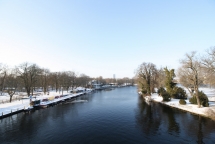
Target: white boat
97 86
88 90
44 103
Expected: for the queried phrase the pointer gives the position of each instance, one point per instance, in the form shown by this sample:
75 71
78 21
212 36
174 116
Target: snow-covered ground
210 92
24 103
204 111
21 101
14 106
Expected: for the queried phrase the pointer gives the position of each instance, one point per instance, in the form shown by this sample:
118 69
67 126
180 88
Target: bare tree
83 80
3 74
191 70
184 79
160 78
29 74
146 76
62 81
66 80
120 81
11 83
209 60
54 80
208 64
126 80
109 80
72 79
45 79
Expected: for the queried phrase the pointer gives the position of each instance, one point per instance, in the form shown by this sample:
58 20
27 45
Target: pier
21 106
24 105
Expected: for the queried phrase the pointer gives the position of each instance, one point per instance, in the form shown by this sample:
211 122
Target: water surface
117 116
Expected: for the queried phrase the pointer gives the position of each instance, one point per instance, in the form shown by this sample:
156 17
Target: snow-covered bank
203 111
22 102
14 106
6 108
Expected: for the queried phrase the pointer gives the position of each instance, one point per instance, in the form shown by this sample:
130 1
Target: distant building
114 78
96 84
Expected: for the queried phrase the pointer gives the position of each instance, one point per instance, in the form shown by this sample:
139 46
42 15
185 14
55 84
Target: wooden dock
62 98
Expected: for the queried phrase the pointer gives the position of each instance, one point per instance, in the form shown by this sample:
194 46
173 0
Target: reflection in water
148 118
173 125
200 134
117 116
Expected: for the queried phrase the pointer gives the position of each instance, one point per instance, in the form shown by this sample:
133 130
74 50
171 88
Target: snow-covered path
20 104
14 106
6 108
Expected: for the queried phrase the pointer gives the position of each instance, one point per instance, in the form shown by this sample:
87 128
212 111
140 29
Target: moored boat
44 103
36 103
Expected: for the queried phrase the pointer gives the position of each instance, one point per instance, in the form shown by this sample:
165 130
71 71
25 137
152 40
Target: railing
12 111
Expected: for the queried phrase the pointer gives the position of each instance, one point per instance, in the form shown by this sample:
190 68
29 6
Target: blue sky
104 37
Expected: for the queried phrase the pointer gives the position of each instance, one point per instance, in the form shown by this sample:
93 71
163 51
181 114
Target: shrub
182 102
144 92
166 96
161 90
205 104
193 100
202 97
179 93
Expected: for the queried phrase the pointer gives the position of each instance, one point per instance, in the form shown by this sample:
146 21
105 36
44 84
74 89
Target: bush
161 90
166 96
144 92
202 97
182 102
193 100
179 93
205 104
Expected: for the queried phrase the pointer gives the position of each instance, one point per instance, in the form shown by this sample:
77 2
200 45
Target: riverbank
23 104
203 111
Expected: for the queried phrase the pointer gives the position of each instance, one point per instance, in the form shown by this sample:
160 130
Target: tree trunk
62 90
197 98
190 91
56 88
44 89
32 91
11 95
28 90
11 98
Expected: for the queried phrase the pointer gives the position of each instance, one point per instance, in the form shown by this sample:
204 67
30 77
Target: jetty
24 105
43 101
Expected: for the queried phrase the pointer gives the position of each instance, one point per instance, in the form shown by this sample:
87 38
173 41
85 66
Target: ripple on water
117 116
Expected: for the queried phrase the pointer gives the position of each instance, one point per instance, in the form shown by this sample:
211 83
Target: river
116 116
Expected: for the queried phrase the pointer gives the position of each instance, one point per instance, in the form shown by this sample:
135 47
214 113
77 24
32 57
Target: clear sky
104 37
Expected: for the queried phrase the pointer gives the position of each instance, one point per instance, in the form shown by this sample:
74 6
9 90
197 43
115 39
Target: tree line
29 77
195 70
